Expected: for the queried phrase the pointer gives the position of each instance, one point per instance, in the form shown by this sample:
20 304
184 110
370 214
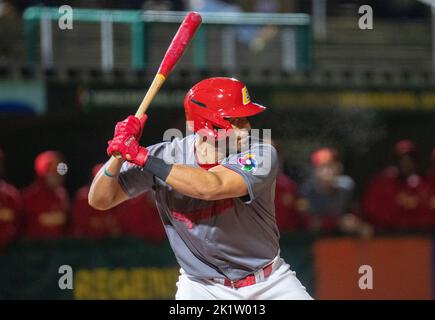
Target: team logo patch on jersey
248 162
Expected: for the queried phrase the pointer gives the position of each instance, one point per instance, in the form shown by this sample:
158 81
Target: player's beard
206 151
237 142
210 151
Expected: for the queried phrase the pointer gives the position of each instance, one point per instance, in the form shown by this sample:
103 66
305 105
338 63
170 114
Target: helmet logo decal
248 162
245 95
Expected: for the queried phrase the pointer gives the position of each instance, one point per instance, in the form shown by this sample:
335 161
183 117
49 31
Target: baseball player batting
216 202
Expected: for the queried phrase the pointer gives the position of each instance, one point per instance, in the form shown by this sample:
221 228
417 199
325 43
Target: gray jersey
213 239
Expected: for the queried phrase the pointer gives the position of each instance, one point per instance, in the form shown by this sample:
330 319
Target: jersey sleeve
258 167
133 179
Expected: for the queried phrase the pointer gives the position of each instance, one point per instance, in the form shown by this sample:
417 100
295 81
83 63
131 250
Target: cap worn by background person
324 156
45 161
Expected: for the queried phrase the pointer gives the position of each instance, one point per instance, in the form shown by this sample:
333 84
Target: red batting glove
131 126
128 148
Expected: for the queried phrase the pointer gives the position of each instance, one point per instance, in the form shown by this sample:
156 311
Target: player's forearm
103 191
195 182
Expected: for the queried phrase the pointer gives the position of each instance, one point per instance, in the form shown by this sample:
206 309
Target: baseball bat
176 49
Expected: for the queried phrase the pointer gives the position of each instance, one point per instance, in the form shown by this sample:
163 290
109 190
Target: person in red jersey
89 222
139 218
46 201
10 208
396 197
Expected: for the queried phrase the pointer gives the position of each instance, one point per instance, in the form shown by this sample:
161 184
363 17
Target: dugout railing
136 40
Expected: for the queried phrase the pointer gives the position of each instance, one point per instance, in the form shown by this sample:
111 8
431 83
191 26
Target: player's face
212 151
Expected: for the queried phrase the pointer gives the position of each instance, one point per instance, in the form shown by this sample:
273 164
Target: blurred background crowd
45 210
400 196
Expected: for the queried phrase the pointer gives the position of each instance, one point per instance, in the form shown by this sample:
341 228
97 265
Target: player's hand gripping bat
176 49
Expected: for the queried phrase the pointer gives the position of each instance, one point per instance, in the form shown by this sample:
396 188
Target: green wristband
108 174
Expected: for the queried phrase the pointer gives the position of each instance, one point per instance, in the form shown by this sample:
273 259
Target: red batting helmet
212 100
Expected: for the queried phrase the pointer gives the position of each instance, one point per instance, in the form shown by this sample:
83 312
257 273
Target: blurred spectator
7 9
156 5
214 6
89 222
46 200
9 23
396 197
162 5
328 195
106 4
256 38
10 208
265 34
245 34
139 218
